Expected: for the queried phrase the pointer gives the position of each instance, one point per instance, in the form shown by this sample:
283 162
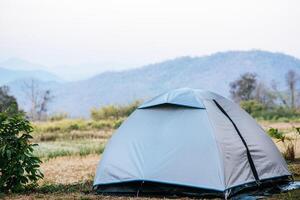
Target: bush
273 113
58 117
289 143
274 133
253 107
18 166
8 103
113 112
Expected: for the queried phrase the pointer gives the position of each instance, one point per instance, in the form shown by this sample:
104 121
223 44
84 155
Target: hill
15 69
213 72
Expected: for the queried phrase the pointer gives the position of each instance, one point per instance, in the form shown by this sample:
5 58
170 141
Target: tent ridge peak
185 97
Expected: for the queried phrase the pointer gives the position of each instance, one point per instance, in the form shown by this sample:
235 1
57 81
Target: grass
70 155
73 129
49 150
73 179
72 137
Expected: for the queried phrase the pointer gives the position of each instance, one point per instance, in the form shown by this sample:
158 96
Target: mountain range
14 69
212 72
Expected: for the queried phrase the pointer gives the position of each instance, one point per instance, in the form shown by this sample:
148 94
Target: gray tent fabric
192 138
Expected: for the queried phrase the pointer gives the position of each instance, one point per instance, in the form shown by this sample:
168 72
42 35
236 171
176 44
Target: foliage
8 103
264 103
273 113
243 88
274 133
58 116
114 112
289 143
18 165
252 107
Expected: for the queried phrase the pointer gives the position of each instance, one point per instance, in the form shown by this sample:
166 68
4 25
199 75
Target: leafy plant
8 103
18 166
289 143
274 133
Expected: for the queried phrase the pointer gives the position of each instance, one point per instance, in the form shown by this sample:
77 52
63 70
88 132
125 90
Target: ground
69 166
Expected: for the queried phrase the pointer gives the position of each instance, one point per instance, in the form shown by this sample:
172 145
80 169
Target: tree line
267 101
261 100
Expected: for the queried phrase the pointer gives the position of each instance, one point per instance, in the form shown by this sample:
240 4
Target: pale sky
112 35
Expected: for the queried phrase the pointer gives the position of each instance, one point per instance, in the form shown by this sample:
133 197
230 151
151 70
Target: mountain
15 69
213 72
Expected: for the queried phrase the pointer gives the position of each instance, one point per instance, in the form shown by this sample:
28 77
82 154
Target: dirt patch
67 170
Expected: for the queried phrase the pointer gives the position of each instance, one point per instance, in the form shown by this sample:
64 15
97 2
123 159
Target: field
71 149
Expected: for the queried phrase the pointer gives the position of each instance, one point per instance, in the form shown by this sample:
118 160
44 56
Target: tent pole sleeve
250 160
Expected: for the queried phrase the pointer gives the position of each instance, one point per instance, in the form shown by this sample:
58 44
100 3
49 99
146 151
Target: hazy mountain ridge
213 72
14 69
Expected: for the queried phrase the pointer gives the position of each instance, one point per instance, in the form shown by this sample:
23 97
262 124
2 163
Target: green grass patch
49 150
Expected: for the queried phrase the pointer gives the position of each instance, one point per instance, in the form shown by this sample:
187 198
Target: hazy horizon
86 37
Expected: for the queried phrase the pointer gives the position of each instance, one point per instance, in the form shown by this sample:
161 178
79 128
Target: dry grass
70 177
73 196
68 170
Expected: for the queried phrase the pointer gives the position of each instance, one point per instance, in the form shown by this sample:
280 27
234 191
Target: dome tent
189 141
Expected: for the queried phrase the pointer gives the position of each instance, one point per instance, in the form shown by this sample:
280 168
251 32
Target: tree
243 88
39 99
291 80
18 166
8 103
264 95
279 94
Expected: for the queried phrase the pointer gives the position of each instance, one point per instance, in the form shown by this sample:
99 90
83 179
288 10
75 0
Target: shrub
289 143
8 103
74 127
113 112
18 166
253 107
274 133
274 112
58 117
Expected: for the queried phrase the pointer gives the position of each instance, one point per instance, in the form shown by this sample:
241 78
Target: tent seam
221 164
249 156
